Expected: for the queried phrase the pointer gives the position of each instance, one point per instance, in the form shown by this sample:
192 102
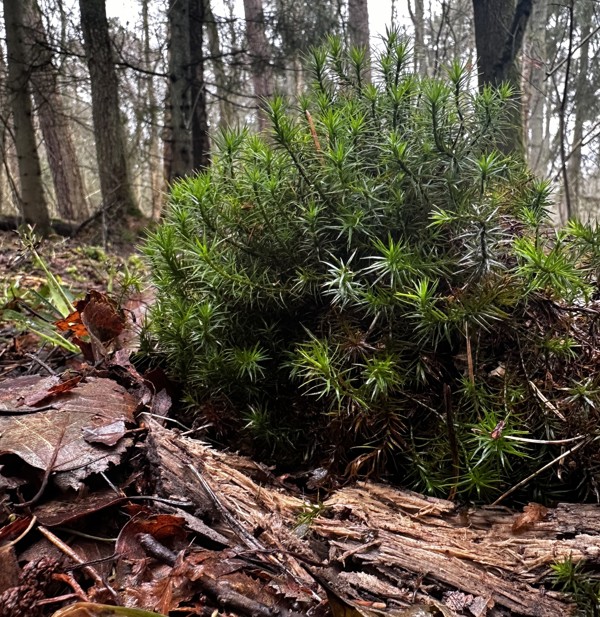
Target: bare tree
199 119
108 130
260 56
32 200
417 16
154 155
535 88
71 200
582 104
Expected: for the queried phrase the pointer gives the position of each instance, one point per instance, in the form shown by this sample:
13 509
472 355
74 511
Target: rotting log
379 541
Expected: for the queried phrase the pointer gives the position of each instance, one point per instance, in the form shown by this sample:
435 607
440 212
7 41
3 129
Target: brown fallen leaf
532 513
55 437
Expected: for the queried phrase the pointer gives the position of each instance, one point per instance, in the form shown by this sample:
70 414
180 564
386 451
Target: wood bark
226 112
179 157
358 29
32 200
155 168
535 89
117 195
378 542
499 31
4 115
417 16
71 199
583 104
260 57
199 119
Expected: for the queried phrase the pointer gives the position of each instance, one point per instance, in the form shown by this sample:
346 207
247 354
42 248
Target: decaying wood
379 540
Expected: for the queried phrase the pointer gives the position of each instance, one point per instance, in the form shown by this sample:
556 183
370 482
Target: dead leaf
107 434
69 509
101 316
90 609
72 323
532 513
165 528
35 437
59 388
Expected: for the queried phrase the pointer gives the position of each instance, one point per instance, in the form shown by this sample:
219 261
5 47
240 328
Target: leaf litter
106 511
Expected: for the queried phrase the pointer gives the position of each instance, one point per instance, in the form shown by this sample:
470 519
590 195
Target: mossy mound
374 287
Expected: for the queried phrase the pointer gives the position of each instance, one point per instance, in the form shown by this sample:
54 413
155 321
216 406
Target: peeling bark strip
374 534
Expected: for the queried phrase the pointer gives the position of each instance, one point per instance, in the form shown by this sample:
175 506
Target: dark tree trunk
68 183
32 200
499 30
179 160
108 131
200 139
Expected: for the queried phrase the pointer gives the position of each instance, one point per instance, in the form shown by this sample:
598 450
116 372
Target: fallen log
376 542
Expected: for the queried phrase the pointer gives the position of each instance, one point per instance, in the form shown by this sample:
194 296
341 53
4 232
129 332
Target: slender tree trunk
358 29
108 131
417 16
179 148
62 159
32 199
260 57
4 115
582 105
200 137
499 30
535 87
226 113
155 168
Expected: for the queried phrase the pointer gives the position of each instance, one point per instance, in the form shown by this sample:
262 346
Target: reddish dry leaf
532 513
58 433
72 323
13 530
59 388
167 529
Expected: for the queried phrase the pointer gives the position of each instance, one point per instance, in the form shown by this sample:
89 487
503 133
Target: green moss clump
374 285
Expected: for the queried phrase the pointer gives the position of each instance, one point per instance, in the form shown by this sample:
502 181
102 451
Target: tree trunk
535 86
4 115
68 184
417 16
155 169
583 104
200 137
32 200
226 113
179 147
260 58
116 190
358 30
499 31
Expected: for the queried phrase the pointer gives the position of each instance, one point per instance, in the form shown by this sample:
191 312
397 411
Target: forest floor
104 500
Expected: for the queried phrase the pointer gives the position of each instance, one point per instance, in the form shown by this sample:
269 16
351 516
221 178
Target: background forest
98 114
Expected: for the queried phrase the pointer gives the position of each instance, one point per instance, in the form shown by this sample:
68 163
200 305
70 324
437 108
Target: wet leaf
57 434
